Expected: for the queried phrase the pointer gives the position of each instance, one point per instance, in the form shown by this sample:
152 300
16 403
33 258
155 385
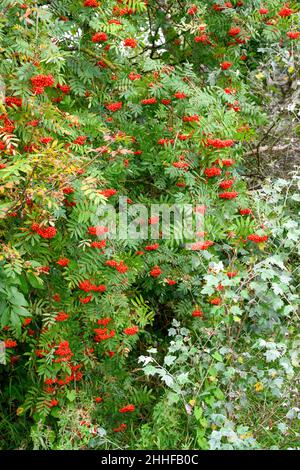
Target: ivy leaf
169 360
168 379
150 370
272 355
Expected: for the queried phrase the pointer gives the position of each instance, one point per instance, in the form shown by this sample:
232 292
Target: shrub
100 113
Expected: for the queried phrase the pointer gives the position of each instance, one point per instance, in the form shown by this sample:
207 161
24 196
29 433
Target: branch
268 148
95 56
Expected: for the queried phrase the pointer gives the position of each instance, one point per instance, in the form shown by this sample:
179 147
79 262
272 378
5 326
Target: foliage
154 102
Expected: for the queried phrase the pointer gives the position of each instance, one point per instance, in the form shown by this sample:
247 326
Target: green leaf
71 395
198 412
217 356
15 297
169 360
